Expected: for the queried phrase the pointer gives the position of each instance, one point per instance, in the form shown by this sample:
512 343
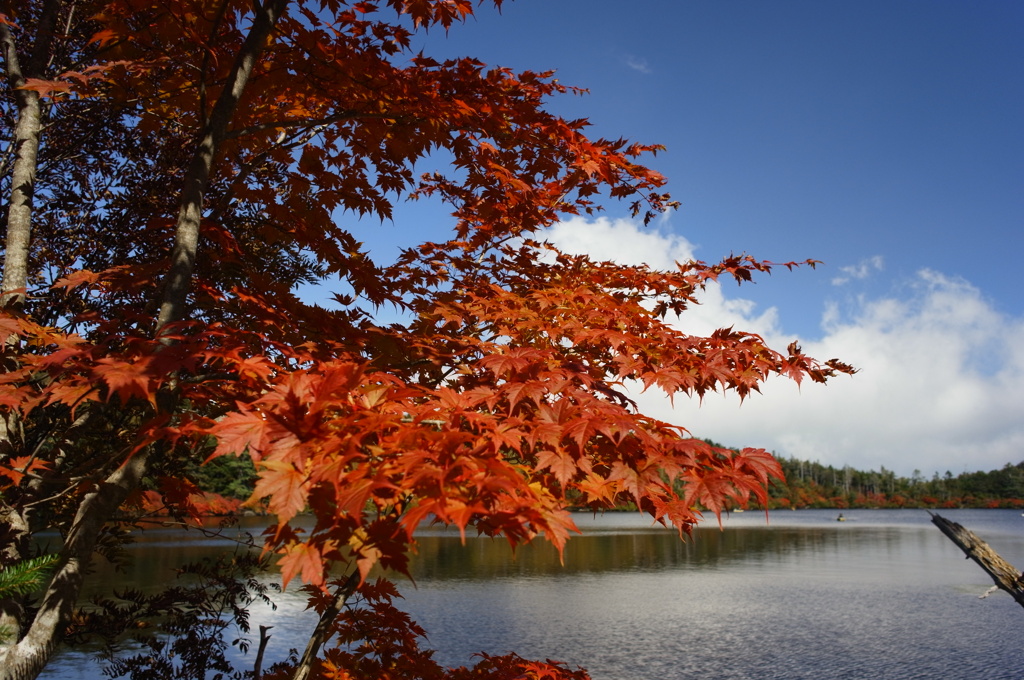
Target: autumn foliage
199 162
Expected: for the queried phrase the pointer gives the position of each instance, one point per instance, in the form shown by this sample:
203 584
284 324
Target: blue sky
885 138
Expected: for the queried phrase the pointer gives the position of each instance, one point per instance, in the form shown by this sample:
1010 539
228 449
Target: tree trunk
27 658
1005 575
27 138
27 133
30 655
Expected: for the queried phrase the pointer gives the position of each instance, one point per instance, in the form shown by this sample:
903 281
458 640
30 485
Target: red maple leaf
302 560
240 432
284 486
560 462
126 379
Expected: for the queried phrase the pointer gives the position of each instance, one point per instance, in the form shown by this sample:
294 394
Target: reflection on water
883 595
444 557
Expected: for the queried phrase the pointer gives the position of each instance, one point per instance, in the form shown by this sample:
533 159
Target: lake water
882 596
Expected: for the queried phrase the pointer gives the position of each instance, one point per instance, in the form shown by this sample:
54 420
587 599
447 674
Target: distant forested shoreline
813 485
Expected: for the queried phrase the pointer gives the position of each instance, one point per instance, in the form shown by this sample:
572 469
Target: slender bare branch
312 122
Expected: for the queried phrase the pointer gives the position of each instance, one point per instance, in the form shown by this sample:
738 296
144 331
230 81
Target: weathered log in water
1005 575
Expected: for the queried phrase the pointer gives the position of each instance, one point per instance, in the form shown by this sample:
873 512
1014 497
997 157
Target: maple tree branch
67 29
37 485
323 626
43 501
63 153
206 60
283 141
7 158
186 239
313 122
207 377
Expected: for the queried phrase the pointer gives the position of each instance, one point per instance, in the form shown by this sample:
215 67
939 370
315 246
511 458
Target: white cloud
621 241
861 270
941 381
637 64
